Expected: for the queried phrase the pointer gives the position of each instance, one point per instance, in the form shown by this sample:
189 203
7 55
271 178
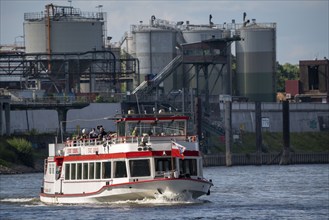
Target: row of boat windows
159 128
138 168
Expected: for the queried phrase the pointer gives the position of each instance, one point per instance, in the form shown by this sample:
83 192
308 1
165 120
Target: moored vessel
147 156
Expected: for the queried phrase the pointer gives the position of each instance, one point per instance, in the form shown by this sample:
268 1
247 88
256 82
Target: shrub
24 150
4 163
8 153
99 99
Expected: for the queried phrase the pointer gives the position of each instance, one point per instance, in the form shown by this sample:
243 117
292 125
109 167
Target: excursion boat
148 156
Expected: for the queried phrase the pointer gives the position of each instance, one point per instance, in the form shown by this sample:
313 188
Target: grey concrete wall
304 117
93 115
47 120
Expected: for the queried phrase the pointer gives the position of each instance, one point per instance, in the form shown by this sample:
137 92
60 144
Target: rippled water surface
244 192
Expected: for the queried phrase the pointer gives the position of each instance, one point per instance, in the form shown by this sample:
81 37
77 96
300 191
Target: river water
241 192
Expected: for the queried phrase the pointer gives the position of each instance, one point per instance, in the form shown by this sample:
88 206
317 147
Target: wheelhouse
152 126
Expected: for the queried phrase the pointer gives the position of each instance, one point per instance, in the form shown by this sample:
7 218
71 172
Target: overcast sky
302 26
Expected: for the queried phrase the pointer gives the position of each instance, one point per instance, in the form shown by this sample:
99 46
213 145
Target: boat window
79 171
188 167
134 129
121 129
73 171
91 170
163 165
139 168
170 128
98 170
67 171
51 168
106 170
120 169
85 171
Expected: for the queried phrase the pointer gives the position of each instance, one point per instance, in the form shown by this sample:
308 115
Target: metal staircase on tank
147 86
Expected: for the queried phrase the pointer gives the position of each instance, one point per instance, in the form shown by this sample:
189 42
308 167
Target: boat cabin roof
150 118
152 125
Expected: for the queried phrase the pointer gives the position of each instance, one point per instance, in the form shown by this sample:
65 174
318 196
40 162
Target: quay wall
46 121
304 117
265 159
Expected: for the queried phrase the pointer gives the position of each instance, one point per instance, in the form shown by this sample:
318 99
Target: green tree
285 72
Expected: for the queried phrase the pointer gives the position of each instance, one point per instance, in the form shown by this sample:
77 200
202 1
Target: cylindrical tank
63 29
155 48
130 43
256 60
66 36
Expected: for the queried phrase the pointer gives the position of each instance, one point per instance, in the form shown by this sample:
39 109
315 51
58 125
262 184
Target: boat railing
154 138
145 138
84 142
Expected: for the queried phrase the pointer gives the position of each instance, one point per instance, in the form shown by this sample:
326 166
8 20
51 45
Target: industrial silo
154 46
62 29
256 61
59 36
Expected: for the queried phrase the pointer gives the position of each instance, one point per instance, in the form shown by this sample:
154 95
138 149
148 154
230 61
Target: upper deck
135 133
152 125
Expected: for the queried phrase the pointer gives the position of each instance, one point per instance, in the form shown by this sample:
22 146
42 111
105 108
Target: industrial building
67 61
68 51
313 82
158 64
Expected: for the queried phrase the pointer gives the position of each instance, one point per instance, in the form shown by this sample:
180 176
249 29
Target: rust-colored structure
314 81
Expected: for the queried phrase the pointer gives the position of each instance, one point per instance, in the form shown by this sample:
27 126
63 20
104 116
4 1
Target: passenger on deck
84 134
134 133
93 134
102 133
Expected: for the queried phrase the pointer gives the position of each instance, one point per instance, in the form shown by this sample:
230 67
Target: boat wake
23 201
164 199
161 200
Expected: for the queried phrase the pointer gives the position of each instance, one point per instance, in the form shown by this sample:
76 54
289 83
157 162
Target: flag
177 150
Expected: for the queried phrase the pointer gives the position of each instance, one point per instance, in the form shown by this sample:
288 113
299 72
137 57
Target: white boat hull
179 188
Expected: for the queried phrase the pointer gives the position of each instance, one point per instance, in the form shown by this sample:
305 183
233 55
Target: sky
302 26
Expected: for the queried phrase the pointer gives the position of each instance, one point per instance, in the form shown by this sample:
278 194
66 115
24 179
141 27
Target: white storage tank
256 62
154 45
155 49
62 29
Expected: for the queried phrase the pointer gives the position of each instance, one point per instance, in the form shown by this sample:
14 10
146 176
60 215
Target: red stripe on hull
121 184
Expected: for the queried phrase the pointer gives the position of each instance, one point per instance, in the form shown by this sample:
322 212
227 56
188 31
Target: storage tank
155 48
60 30
63 29
154 45
256 61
